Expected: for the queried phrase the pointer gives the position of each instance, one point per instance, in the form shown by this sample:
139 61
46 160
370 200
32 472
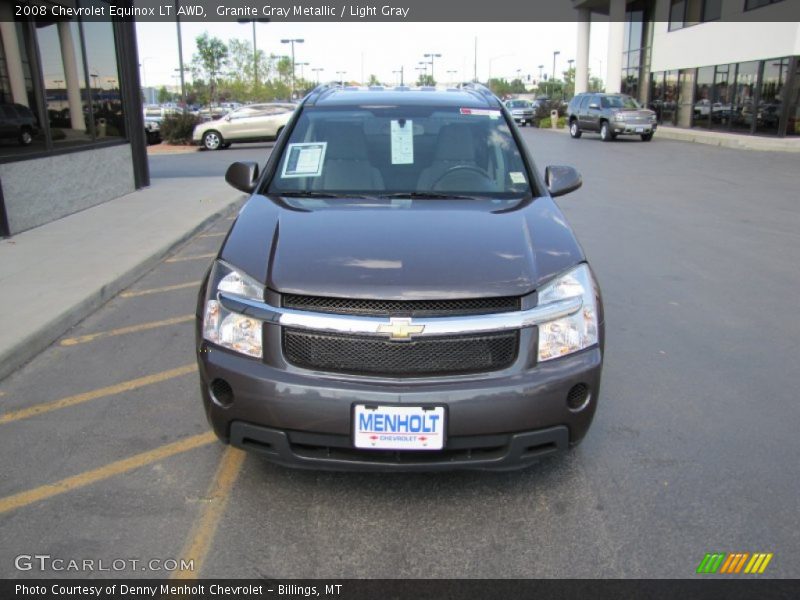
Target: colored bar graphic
711 563
729 562
741 562
734 562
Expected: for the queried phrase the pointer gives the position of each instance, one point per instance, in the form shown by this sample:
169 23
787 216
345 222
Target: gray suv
610 115
401 292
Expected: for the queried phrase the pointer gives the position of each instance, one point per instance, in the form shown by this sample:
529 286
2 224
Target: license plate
639 129
398 427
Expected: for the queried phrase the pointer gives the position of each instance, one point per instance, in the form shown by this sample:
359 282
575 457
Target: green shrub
177 129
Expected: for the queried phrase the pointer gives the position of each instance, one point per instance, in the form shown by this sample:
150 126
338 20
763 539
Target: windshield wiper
316 195
427 195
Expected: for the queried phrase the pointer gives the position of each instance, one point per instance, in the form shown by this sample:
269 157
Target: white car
251 123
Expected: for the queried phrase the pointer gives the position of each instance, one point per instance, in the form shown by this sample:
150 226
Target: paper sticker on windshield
402 142
481 112
304 160
517 177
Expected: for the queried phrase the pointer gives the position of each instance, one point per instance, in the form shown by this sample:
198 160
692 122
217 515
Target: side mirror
561 180
593 105
242 176
227 118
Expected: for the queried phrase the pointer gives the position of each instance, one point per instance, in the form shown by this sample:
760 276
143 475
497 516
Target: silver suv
610 115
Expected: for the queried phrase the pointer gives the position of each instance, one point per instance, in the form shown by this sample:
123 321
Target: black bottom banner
398 589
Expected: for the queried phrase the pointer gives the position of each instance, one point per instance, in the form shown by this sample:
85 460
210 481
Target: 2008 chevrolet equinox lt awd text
400 292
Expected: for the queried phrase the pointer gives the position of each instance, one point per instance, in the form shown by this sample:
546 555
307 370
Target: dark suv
17 123
400 292
610 115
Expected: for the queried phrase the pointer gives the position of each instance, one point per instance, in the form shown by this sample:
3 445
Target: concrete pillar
582 57
616 37
16 77
73 82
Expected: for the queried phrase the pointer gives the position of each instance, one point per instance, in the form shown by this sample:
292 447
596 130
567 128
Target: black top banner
397 589
370 10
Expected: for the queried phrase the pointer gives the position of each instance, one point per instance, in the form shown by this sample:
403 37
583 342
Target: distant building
702 63
80 80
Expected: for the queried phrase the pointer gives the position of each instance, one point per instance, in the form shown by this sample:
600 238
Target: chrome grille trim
433 326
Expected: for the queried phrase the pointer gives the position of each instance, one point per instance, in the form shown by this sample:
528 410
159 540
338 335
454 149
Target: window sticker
304 160
517 177
402 141
481 112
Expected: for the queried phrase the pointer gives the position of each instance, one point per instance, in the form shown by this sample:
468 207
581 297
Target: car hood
409 249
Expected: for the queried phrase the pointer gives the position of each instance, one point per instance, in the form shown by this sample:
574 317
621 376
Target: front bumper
302 418
523 117
622 128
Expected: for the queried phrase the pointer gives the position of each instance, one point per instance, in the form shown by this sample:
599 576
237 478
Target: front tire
25 137
605 132
646 137
212 140
574 130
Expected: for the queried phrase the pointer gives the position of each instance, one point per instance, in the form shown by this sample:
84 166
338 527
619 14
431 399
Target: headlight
228 329
619 117
578 331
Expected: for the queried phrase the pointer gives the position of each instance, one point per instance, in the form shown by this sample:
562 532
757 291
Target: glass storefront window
793 123
702 97
742 109
20 121
722 96
64 81
770 96
669 109
101 58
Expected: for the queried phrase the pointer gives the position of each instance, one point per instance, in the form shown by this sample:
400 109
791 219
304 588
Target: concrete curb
721 140
24 350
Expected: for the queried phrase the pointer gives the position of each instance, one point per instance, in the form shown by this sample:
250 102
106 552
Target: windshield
518 104
397 150
619 102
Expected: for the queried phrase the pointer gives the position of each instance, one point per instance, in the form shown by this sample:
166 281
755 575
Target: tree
425 80
211 57
163 95
569 83
373 80
596 84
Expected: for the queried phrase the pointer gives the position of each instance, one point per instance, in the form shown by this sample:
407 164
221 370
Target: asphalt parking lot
693 448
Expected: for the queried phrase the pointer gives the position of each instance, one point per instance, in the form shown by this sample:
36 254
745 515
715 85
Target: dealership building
720 65
75 83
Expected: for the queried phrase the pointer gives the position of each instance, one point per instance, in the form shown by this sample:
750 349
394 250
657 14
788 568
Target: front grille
364 355
401 308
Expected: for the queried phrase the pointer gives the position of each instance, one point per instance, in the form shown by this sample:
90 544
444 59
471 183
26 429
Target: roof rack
480 89
318 91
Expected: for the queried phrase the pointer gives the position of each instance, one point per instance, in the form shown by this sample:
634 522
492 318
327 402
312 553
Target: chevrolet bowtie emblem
400 329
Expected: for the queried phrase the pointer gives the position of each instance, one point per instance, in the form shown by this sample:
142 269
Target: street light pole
431 55
180 54
341 76
302 72
317 71
555 54
293 41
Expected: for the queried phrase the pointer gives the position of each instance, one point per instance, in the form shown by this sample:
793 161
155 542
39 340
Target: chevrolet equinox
400 292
